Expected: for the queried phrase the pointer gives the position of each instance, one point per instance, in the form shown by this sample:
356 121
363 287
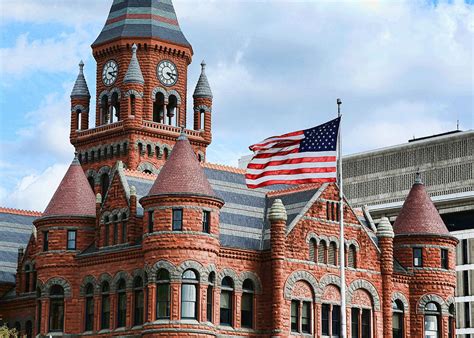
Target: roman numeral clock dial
110 72
167 73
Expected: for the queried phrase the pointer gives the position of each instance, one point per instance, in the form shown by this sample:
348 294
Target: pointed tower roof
74 196
80 87
134 73
182 173
418 215
203 89
142 19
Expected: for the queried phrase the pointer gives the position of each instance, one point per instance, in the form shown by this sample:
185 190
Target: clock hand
171 74
112 73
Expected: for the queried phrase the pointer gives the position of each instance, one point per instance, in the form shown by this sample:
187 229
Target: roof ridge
22 212
291 190
223 167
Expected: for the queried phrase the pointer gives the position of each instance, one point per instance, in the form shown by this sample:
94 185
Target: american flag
305 156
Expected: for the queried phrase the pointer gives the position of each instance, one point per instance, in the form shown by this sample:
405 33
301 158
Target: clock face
110 72
167 73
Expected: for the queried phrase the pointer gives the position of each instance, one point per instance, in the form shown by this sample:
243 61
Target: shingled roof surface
419 215
74 196
142 19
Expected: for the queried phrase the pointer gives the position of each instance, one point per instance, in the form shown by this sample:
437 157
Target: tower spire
203 89
80 87
134 73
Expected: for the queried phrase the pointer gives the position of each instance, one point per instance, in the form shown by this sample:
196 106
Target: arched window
189 288
105 306
397 319
27 278
312 249
78 117
322 252
92 155
351 256
432 314
104 110
91 181
332 252
331 320
138 301
115 107
119 150
157 152
124 228
202 119
33 278
166 153
121 303
162 294
89 311
361 323
247 311
159 108
148 150
29 329
452 322
227 306
115 225
56 309
132 104
210 297
172 110
104 185
140 149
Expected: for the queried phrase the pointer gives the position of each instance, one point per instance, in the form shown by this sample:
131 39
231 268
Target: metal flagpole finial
339 102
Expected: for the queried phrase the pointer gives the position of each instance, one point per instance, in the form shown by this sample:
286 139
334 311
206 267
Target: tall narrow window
115 222
107 234
465 283
312 250
432 326
121 303
89 310
206 221
115 116
227 306
355 327
295 316
467 314
366 323
159 108
397 319
105 306
325 311
45 241
332 253
306 317
104 107
247 311
71 239
27 278
444 259
189 295
351 256
132 104
56 309
124 228
138 301
150 221
210 297
336 320
417 257
464 247
162 294
322 252
177 219
104 185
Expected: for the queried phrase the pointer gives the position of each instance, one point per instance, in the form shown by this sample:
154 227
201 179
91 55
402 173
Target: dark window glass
355 323
206 222
295 315
27 278
106 239
366 323
467 314
124 231
56 309
417 257
209 301
332 253
150 221
71 239
247 310
444 259
325 310
465 283
89 311
312 249
306 317
115 233
138 301
451 322
177 219
121 304
162 294
336 320
464 247
45 241
226 309
105 307
104 185
189 295
322 252
397 319
351 257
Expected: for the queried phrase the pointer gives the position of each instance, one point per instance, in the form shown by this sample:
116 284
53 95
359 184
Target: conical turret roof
182 173
418 215
134 73
203 89
80 87
74 196
142 19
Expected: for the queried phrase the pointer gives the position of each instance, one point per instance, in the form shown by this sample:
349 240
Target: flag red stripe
292 161
302 181
274 139
291 172
280 153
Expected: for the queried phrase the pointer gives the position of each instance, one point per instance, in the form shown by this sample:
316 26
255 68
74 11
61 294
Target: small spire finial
134 48
203 66
182 135
418 177
76 158
81 66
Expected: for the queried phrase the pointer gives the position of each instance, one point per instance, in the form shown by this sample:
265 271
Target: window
432 320
306 317
189 295
247 304
451 322
322 252
45 241
210 297
467 314
295 316
361 323
464 247
312 250
351 256
162 294
397 319
71 239
27 278
138 301
89 310
465 282
332 253
366 324
336 320
206 221
226 310
115 220
330 320
107 234
105 306
121 303
56 309
417 257
150 221
444 259
177 219
124 228
104 185
355 323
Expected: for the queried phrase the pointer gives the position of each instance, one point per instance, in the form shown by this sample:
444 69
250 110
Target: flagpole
341 226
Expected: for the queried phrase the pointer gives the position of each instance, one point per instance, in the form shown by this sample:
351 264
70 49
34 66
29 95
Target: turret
80 102
133 81
203 104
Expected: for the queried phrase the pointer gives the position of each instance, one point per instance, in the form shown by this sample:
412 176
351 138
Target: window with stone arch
362 314
189 294
332 253
105 306
159 108
133 104
115 108
210 297
56 308
91 181
148 150
115 225
398 318
123 236
138 301
202 119
163 295
226 301
172 111
89 308
79 125
330 311
104 110
432 320
247 304
27 276
121 303
352 256
301 308
322 248
166 153
313 249
104 185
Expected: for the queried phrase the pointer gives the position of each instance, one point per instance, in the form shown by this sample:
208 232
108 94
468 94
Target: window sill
120 329
55 334
102 331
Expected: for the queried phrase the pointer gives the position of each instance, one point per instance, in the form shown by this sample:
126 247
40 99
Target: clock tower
142 63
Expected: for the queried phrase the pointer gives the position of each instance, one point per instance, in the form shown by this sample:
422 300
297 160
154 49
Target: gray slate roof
203 89
80 87
134 73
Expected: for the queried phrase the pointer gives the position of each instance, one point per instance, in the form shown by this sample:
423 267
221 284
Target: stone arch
139 273
297 276
350 242
88 279
202 107
210 269
450 301
102 94
200 155
157 90
57 281
91 173
147 166
175 93
367 286
310 236
428 298
161 265
105 277
79 107
121 275
133 92
104 170
227 273
253 277
196 266
115 90
401 297
334 239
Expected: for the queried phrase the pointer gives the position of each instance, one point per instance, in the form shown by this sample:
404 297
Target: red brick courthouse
165 244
